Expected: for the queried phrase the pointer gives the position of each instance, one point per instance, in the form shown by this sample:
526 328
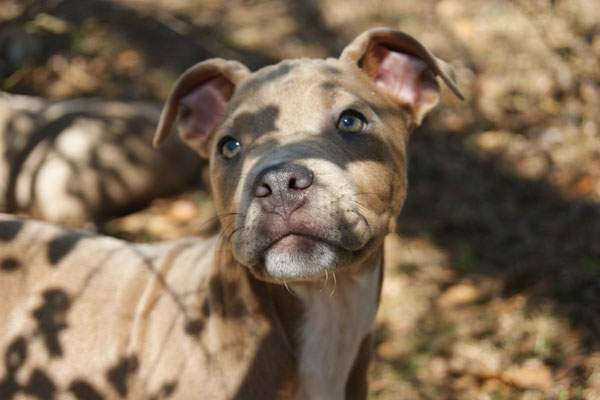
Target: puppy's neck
337 317
323 324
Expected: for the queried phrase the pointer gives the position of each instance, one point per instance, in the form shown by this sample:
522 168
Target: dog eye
230 147
351 121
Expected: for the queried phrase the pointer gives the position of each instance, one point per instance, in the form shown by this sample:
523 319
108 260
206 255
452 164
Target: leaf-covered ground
492 286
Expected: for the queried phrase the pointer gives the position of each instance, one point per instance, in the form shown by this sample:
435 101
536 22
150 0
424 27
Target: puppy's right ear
198 100
401 68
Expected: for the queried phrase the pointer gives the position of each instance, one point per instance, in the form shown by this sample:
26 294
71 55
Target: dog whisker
217 218
223 235
288 288
233 232
370 193
366 221
357 202
225 215
326 279
334 284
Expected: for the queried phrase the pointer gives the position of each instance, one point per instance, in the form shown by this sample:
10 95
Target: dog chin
299 259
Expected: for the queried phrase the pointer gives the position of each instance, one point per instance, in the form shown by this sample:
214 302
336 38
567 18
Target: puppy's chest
335 323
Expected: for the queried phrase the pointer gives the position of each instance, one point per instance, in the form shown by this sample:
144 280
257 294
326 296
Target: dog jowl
308 174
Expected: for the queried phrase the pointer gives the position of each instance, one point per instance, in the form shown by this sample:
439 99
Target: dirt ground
492 286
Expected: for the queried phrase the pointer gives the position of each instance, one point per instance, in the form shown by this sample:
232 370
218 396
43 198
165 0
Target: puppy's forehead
290 81
287 72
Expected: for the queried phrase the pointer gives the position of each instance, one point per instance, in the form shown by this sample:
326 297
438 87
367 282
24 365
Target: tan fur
294 277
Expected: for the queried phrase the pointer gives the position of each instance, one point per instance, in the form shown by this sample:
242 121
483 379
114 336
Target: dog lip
281 237
308 236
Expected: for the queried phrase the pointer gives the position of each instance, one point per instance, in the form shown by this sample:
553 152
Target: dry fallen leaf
183 211
460 294
535 377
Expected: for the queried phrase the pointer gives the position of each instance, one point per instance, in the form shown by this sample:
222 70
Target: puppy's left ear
198 100
402 68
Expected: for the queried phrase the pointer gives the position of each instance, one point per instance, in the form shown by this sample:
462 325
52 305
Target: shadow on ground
493 222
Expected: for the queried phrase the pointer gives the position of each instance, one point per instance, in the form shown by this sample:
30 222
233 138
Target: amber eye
230 147
351 121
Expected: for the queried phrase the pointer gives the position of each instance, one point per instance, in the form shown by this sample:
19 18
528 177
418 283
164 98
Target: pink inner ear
405 77
204 107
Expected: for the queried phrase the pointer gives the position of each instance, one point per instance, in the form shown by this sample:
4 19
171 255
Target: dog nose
282 188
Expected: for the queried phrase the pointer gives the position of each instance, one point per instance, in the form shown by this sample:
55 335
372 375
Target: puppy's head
307 157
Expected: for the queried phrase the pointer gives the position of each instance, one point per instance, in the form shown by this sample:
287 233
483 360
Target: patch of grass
496 395
590 265
465 258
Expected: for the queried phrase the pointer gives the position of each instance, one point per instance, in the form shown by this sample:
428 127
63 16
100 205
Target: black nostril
302 179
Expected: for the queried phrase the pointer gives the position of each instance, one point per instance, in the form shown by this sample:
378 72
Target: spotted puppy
308 171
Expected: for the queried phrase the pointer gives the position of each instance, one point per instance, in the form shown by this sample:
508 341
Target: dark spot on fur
328 69
278 72
14 358
10 229
84 391
236 307
194 327
16 354
119 374
50 318
10 264
274 73
225 299
60 246
267 75
216 294
257 123
40 385
167 390
206 308
8 387
327 86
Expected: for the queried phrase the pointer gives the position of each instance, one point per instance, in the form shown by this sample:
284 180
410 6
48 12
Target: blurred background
492 286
